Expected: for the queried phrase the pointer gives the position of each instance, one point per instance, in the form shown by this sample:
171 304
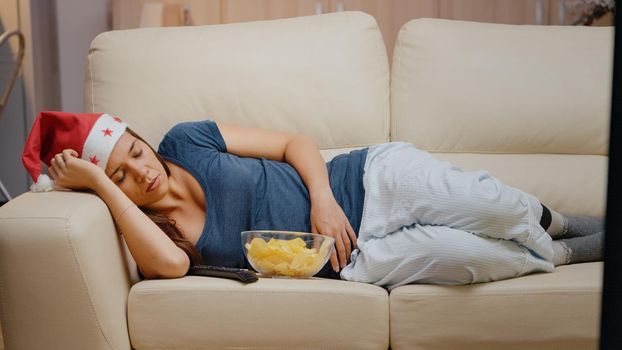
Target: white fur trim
43 184
99 144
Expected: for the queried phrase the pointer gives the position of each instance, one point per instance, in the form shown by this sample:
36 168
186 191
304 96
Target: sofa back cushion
522 101
326 76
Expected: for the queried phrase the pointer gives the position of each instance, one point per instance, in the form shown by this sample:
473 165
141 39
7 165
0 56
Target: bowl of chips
286 254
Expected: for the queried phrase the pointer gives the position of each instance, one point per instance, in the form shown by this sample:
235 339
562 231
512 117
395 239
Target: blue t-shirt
244 193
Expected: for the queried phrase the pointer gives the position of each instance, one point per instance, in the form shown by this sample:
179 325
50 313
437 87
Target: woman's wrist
320 193
100 182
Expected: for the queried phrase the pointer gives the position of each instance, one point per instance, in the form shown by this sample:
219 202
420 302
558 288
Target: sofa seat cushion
211 313
558 310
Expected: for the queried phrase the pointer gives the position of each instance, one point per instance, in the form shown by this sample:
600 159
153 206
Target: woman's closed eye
120 180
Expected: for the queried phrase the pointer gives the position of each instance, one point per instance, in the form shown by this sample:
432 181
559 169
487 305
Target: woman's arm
296 149
155 253
327 216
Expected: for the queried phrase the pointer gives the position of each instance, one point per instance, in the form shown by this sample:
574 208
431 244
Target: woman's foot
581 226
578 249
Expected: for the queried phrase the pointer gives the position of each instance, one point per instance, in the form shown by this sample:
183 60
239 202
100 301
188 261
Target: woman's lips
154 184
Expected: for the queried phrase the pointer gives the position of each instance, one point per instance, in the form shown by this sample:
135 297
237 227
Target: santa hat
93 136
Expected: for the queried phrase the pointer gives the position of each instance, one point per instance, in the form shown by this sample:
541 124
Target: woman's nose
140 172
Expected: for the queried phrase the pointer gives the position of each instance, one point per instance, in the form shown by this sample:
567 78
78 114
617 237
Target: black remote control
242 275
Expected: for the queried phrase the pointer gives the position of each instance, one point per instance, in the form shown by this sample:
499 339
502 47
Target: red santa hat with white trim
93 136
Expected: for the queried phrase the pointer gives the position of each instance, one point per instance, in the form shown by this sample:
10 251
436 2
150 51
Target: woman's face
134 168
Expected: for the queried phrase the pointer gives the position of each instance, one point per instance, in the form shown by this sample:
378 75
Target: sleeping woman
397 214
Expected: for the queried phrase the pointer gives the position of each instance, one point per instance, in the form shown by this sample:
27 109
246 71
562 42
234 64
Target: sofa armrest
64 280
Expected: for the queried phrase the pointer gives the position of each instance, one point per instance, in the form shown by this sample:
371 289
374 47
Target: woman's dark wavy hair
167 224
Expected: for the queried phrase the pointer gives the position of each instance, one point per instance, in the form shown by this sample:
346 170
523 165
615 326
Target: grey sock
580 226
582 249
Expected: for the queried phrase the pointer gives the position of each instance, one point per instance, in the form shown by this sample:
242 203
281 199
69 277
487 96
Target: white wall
13 121
78 22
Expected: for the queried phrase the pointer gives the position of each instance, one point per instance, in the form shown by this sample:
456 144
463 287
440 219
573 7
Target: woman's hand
69 171
327 218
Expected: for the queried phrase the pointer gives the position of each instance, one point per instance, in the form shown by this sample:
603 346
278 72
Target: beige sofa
528 103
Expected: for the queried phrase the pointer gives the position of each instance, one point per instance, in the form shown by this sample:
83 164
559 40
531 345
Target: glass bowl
286 254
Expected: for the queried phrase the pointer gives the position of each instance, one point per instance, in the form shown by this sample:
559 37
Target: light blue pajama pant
427 221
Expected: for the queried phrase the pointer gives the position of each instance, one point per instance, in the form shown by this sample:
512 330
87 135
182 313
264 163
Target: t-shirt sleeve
204 134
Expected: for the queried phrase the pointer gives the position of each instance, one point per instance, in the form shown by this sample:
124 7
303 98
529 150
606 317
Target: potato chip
286 257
